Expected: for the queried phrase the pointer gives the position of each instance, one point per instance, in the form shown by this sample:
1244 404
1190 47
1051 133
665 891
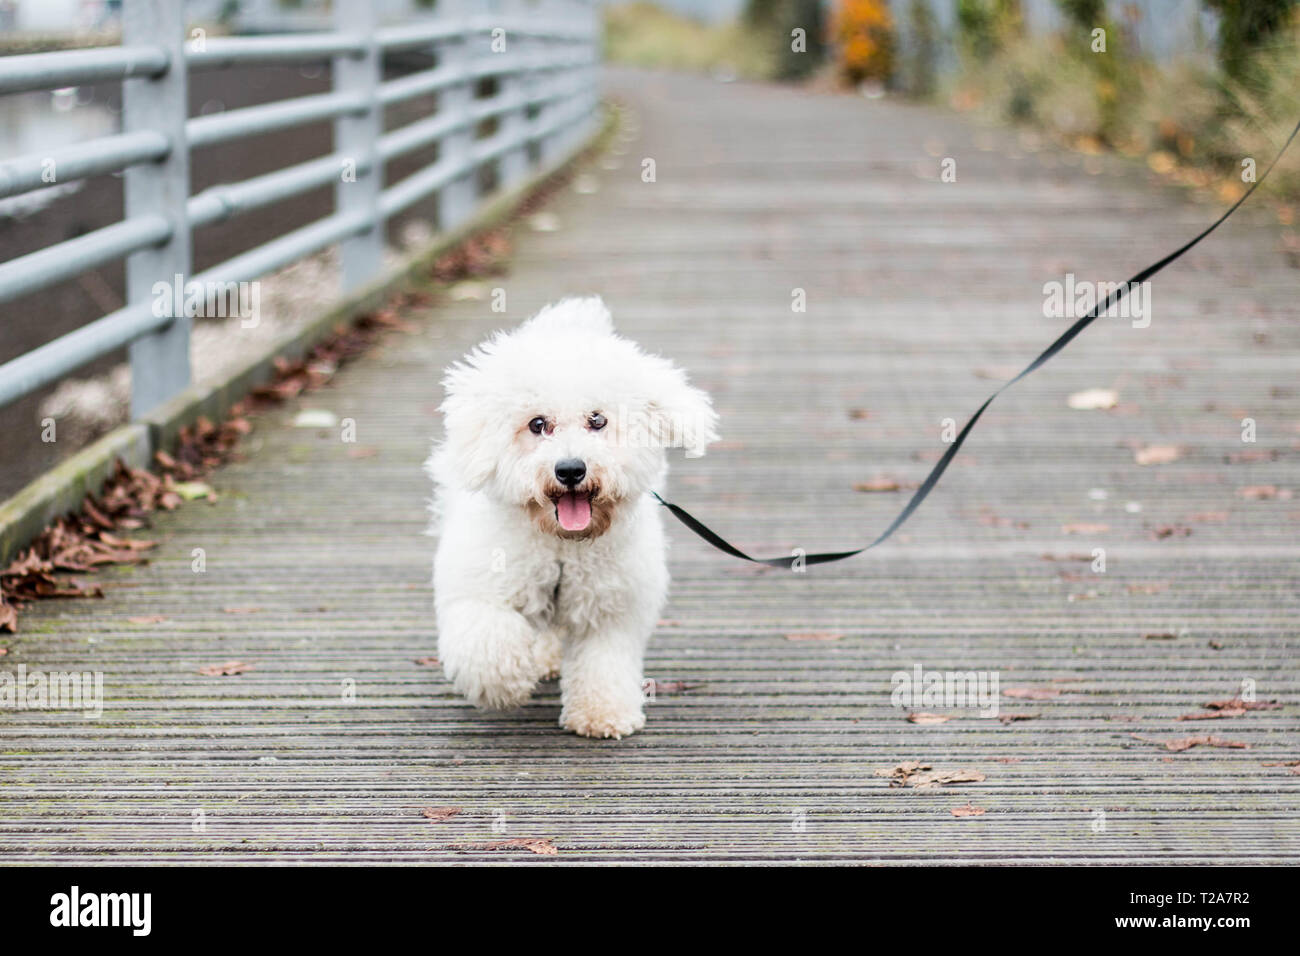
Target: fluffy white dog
552 553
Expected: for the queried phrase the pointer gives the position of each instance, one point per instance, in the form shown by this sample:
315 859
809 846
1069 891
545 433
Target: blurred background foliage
1192 117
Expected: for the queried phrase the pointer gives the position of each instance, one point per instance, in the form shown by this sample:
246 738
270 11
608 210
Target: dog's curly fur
533 577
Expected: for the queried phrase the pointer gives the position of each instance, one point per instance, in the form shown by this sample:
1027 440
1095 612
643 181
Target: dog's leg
550 653
489 653
600 685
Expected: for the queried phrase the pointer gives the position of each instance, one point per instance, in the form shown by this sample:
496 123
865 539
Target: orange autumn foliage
862 32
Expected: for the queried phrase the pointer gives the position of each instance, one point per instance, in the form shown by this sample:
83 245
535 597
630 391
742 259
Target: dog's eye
596 422
537 425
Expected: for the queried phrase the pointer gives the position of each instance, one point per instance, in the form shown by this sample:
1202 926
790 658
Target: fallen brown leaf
1187 743
969 810
440 814
1085 527
240 610
673 686
1236 703
919 717
1213 714
1251 455
1153 588
1009 718
878 484
938 778
1032 693
427 661
814 636
991 519
1160 636
1264 492
532 844
902 771
147 619
915 774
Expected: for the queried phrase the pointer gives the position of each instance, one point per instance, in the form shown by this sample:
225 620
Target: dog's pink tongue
574 511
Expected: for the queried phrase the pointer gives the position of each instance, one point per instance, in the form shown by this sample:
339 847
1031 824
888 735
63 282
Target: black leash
936 473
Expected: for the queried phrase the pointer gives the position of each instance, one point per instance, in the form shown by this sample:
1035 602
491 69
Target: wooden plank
916 290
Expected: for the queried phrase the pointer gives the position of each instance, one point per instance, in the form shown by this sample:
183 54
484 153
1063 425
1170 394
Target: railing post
160 361
583 16
456 199
551 146
513 165
592 20
356 138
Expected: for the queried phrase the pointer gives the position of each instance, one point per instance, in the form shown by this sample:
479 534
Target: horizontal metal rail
270 118
420 84
286 249
50 362
109 154
221 52
46 71
431 81
418 35
542 102
36 270
421 133
219 203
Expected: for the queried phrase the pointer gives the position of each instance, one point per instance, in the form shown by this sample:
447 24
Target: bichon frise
552 553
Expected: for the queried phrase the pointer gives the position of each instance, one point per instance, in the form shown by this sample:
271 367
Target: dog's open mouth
573 510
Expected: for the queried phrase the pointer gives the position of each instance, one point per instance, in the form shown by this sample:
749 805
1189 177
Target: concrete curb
61 489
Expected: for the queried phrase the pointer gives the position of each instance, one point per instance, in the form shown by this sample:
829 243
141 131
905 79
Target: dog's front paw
602 717
507 685
490 659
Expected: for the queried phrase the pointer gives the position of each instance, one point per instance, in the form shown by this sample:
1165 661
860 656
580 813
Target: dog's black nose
570 471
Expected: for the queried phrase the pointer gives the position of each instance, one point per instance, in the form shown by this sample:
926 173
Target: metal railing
541 53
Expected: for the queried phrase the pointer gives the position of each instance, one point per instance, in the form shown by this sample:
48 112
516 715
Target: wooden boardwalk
920 296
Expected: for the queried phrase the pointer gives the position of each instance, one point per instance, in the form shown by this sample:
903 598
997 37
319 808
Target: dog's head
565 419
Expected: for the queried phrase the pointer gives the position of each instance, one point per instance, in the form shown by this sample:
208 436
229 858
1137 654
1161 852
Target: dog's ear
680 415
473 443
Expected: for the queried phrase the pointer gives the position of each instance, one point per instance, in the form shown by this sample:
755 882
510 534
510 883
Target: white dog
552 552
